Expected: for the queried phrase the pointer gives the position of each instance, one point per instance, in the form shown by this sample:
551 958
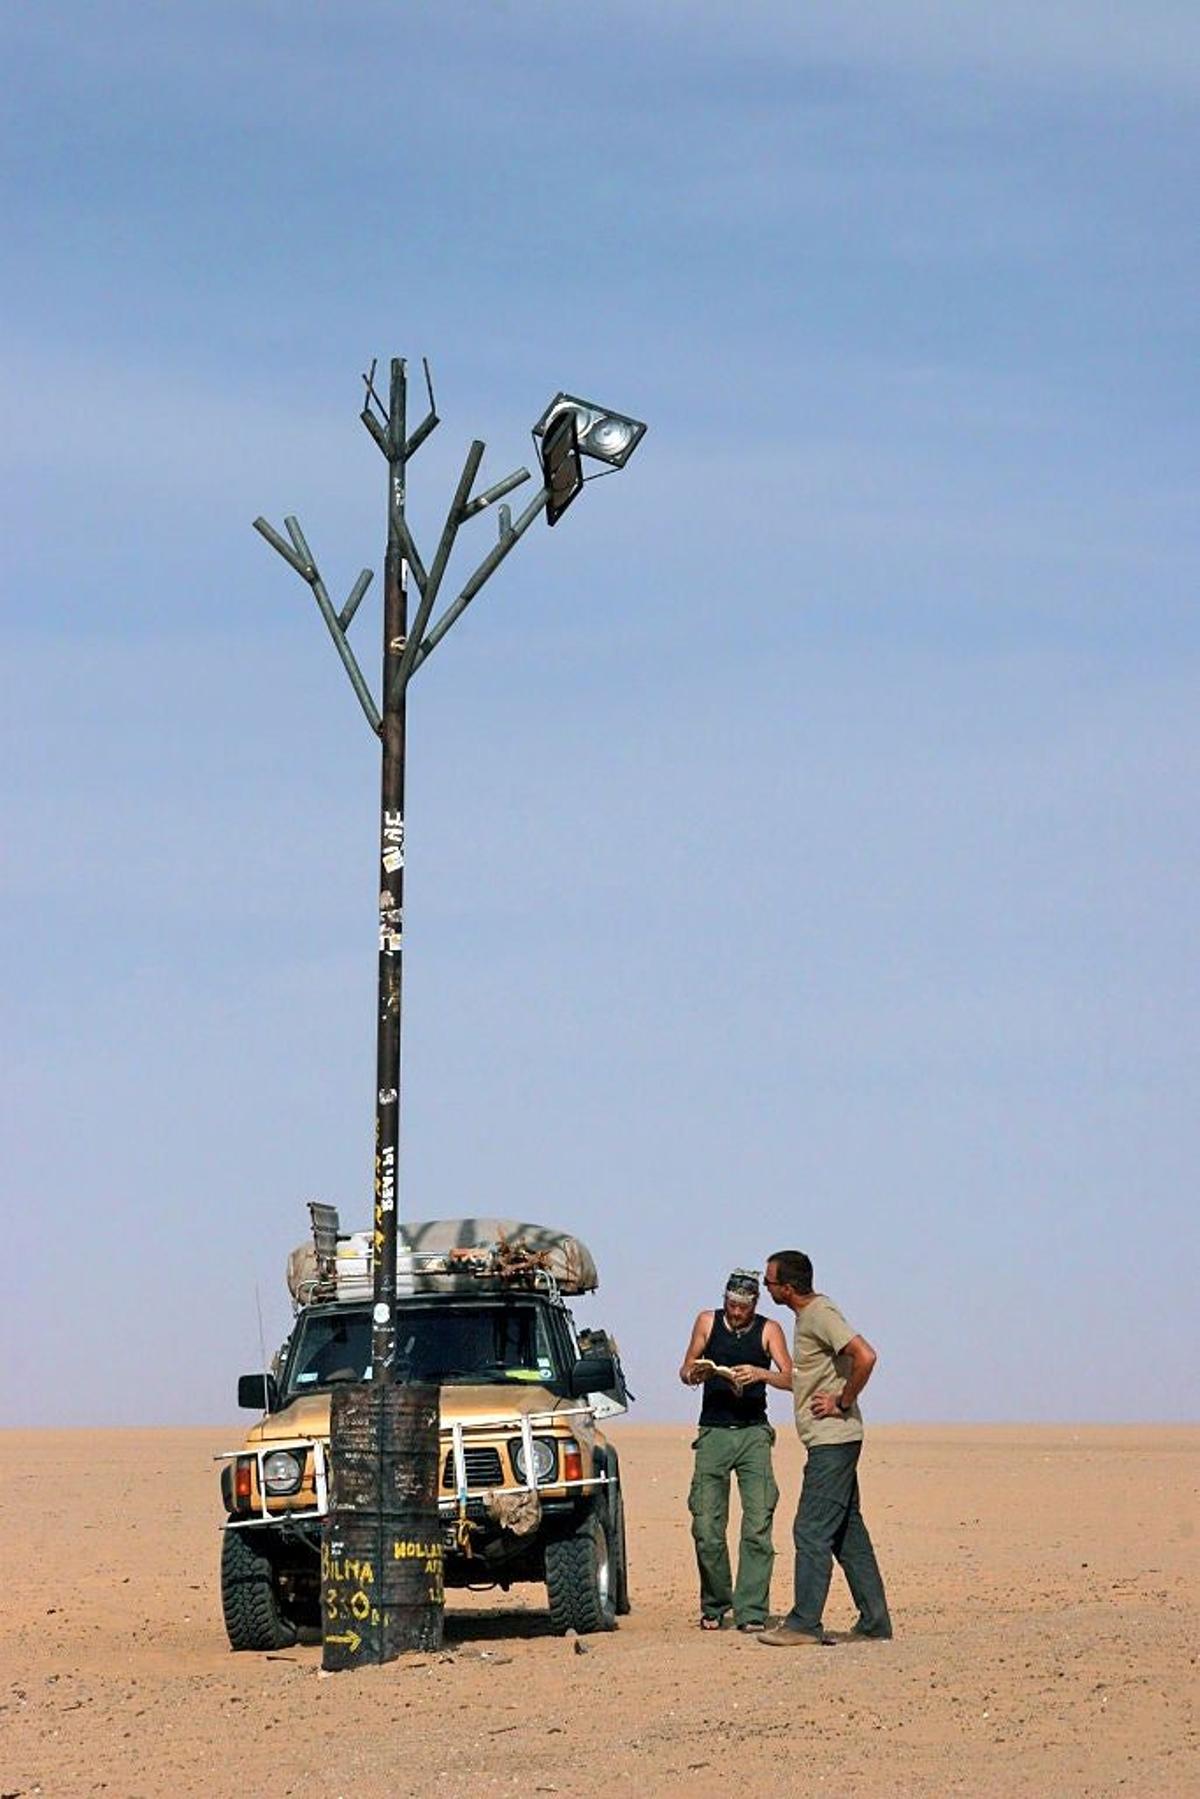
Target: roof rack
417 1271
495 1253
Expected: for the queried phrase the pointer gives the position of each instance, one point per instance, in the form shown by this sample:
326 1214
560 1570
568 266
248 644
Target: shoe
784 1638
868 1636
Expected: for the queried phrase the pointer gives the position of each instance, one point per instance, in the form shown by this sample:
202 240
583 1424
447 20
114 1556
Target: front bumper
457 1501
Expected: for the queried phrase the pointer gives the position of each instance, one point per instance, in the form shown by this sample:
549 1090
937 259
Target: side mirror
258 1392
593 1374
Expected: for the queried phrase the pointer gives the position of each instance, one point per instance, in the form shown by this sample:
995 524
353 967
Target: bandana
742 1284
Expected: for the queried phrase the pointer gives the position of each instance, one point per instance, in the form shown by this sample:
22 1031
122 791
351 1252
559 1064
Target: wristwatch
842 1407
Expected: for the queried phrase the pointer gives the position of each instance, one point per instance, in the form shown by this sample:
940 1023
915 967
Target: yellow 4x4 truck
530 1487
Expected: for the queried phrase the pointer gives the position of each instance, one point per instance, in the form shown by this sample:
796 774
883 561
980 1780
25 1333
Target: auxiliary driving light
545 1459
282 1471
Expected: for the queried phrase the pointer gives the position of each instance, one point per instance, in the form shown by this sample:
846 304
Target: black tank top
723 1404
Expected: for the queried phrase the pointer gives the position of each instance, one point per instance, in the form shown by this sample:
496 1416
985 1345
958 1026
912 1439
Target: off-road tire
579 1581
614 1524
249 1599
619 1557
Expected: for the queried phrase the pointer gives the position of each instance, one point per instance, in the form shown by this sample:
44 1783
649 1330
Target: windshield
445 1343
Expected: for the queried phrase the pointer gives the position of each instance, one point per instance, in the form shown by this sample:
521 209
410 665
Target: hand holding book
742 1376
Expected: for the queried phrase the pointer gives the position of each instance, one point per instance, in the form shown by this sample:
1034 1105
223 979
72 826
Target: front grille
483 1468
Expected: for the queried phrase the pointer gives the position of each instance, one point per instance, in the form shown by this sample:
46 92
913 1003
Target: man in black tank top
728 1347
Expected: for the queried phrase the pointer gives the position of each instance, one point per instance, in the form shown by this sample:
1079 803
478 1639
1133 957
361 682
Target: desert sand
1045 1584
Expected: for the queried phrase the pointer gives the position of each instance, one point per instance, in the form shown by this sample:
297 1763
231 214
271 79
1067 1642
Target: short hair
793 1269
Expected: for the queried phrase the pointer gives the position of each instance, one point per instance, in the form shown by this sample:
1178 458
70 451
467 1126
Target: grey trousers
828 1524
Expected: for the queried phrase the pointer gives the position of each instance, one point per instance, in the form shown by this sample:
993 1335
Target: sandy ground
1045 1585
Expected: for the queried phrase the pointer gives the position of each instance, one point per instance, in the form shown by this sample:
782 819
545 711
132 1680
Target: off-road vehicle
530 1488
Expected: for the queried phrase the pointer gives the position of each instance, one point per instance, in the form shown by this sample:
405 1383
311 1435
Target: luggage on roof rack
439 1255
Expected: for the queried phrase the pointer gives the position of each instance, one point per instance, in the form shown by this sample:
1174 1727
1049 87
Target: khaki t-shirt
818 1366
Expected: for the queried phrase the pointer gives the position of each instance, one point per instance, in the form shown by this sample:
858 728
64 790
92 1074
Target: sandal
712 1623
751 1629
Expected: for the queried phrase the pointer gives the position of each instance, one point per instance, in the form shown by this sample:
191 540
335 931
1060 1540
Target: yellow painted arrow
347 1636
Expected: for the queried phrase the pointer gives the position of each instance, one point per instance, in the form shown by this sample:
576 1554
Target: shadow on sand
463 1628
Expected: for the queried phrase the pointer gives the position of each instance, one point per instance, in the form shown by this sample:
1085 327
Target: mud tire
579 1581
250 1598
614 1524
619 1558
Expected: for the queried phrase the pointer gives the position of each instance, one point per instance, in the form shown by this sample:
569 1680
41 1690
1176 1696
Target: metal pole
391 898
399 664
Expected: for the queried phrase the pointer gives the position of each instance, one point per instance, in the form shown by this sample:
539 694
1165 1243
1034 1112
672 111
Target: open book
706 1369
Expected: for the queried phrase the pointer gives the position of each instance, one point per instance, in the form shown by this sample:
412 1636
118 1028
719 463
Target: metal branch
490 563
369 384
356 593
376 429
411 556
291 525
437 568
285 550
299 556
496 492
429 423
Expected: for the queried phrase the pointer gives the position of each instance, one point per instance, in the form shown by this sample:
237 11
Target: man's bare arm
776 1347
701 1332
862 1360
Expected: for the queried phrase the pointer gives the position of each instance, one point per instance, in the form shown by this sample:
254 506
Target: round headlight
545 1459
282 1471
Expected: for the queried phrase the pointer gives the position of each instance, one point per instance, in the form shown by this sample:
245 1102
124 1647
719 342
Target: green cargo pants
721 1452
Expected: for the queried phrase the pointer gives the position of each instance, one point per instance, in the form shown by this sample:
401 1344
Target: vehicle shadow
463 1628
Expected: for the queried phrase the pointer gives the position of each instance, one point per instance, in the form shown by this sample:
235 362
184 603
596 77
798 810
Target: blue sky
802 840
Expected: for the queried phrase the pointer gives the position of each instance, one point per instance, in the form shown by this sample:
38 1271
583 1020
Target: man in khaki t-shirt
831 1364
820 1364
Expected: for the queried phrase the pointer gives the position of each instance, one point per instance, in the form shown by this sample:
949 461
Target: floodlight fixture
610 437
